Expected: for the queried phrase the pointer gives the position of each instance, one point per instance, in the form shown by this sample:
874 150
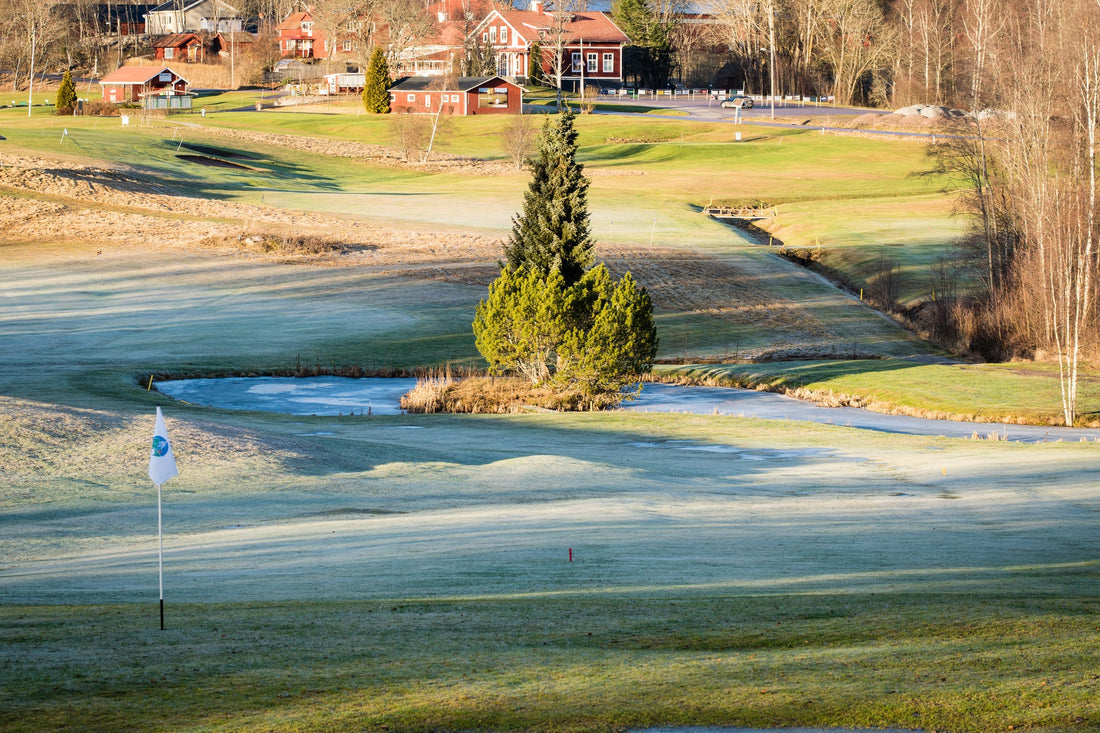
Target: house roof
590 27
457 9
237 37
462 84
176 40
294 20
137 75
172 7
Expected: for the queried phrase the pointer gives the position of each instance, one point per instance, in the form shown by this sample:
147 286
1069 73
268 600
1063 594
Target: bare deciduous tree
519 135
1035 174
853 39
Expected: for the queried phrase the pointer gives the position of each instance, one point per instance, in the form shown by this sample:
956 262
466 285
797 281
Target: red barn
470 95
131 83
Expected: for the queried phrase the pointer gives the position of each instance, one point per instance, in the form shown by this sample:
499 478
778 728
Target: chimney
535 6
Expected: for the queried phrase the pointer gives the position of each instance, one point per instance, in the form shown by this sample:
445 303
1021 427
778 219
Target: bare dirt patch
680 280
55 200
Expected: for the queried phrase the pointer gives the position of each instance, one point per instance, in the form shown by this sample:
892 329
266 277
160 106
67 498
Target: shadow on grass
574 662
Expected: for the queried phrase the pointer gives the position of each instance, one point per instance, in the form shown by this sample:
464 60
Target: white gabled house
192 16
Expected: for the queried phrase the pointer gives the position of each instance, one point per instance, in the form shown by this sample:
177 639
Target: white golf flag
162 462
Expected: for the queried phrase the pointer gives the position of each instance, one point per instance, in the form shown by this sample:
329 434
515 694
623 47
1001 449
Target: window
485 37
504 34
169 53
591 63
576 61
428 101
492 97
347 46
456 98
493 34
307 27
609 63
410 97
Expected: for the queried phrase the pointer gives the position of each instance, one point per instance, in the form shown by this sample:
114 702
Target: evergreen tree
376 85
552 232
66 95
596 336
651 35
534 65
518 328
613 341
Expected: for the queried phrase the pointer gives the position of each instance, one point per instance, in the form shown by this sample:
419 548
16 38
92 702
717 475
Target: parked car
739 101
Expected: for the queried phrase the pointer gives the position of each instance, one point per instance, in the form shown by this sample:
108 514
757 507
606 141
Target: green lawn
984 392
568 662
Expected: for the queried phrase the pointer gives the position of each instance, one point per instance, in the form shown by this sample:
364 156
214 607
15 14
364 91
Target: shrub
100 108
66 95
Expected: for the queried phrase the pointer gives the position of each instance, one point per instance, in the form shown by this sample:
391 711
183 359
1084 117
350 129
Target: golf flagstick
162 466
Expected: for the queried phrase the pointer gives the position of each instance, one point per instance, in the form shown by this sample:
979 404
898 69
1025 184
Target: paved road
788 114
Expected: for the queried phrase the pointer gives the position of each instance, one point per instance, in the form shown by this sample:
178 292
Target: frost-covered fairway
412 573
361 507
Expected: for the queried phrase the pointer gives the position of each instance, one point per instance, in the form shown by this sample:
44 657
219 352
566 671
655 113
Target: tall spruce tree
552 232
66 95
376 84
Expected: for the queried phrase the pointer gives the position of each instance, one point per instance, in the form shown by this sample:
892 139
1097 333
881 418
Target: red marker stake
570 554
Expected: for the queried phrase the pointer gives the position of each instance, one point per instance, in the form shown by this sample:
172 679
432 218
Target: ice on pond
382 396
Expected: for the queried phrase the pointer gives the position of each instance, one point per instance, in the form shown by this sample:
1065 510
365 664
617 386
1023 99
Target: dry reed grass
485 395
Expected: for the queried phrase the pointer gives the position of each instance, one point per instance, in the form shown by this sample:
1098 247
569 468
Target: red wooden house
592 44
186 47
131 83
476 95
301 37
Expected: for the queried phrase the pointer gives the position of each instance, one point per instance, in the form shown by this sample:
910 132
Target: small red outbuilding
469 95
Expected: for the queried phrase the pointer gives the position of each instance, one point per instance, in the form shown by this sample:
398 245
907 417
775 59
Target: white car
739 101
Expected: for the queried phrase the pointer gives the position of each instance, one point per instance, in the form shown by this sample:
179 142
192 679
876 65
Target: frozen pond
381 396
294 396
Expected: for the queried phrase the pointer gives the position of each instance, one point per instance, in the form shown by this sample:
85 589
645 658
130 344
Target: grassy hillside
413 573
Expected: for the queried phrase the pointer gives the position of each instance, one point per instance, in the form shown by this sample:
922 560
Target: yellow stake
150 383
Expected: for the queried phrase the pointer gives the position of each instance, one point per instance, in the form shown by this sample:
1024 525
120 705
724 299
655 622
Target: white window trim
504 35
609 63
593 63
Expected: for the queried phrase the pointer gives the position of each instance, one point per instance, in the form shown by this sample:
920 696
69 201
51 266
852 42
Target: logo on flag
162 462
